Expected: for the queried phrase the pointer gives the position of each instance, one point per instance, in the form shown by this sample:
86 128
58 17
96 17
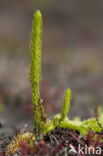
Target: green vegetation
66 105
35 73
60 120
42 125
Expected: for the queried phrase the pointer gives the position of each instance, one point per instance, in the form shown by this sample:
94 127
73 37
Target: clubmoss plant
41 124
66 105
60 120
35 72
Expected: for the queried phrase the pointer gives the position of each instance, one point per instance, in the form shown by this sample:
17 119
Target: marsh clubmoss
66 105
60 120
35 69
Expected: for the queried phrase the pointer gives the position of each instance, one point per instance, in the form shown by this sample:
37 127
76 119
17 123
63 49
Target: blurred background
72 57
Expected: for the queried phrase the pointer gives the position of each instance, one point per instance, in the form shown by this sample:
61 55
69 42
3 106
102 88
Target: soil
55 143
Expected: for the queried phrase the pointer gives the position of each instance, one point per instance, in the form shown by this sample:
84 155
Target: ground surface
56 143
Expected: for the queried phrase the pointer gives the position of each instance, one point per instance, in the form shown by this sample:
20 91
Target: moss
15 143
83 127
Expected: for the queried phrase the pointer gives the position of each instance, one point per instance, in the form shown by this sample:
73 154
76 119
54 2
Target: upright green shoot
66 105
35 69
